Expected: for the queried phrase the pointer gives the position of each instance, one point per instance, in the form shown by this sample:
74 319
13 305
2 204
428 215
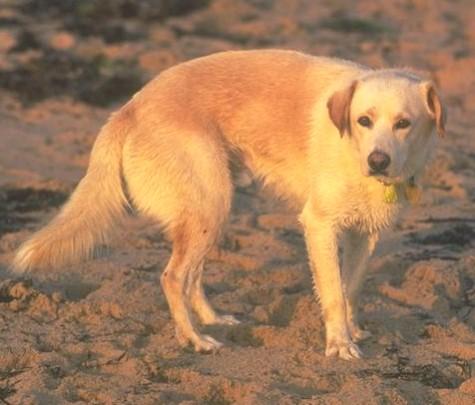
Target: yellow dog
340 141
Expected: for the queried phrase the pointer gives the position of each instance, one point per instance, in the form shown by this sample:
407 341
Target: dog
342 142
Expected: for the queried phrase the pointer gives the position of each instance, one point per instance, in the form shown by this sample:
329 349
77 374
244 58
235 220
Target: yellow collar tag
393 193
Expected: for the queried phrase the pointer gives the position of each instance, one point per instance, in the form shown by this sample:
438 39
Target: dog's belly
286 177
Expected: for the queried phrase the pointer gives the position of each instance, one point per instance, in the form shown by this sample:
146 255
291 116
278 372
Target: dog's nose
378 161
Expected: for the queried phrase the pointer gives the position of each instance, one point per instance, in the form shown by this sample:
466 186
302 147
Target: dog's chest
368 211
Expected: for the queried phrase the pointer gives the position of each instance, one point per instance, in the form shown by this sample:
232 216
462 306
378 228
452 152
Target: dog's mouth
384 178
375 173
390 180
387 181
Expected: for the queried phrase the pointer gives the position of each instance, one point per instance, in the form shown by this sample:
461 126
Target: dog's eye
365 121
402 124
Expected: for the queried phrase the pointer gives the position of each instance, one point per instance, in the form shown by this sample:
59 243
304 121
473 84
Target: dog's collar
406 190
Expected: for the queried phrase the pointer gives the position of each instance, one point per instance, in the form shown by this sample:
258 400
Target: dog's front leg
357 248
321 235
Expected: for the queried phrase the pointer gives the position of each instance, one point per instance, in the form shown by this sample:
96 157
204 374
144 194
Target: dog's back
257 104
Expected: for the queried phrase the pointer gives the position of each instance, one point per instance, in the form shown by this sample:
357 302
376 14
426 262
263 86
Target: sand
100 332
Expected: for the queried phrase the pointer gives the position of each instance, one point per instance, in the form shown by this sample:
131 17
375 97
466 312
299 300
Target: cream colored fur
92 212
289 118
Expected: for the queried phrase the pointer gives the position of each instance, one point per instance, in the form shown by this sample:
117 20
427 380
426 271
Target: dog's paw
201 343
346 350
226 320
206 344
221 320
358 334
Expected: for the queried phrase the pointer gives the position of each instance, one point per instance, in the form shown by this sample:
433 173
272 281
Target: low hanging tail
88 218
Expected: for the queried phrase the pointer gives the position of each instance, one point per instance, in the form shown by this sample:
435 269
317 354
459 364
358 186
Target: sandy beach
100 332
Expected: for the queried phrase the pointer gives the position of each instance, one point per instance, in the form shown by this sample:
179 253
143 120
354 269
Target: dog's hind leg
188 254
200 304
182 180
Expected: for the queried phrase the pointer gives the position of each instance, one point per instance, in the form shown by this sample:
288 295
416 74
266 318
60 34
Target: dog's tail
96 205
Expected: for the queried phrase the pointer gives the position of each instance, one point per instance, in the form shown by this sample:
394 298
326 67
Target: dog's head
391 116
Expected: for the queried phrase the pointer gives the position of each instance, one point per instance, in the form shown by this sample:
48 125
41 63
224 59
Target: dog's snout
378 161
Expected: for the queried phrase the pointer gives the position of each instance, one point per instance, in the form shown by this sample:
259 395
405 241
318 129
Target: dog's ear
339 108
434 106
